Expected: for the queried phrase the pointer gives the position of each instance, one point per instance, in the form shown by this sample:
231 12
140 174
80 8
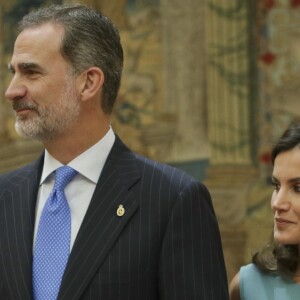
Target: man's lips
21 107
283 222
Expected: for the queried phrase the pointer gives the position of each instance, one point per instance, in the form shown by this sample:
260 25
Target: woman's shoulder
250 270
256 284
253 274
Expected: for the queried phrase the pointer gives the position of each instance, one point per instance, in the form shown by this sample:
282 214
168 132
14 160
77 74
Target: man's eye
31 72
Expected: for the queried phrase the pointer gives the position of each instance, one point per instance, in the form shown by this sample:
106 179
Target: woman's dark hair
278 258
289 140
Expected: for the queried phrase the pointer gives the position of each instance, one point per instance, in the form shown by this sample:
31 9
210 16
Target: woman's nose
280 200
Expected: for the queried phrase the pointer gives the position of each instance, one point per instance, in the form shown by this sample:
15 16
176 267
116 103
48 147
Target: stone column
230 124
184 77
2 126
3 122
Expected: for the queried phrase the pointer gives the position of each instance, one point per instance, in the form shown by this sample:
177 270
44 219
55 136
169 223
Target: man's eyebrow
25 66
29 65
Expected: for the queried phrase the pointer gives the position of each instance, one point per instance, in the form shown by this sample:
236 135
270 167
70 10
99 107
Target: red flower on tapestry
268 58
295 3
269 4
265 158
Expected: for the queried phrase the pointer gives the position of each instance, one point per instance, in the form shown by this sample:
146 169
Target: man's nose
15 90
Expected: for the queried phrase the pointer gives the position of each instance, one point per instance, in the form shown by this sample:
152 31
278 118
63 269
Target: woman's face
285 200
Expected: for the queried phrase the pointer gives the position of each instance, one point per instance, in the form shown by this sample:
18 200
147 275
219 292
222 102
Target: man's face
42 90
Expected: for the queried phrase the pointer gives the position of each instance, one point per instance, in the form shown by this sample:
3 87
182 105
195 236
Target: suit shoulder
160 167
18 174
165 173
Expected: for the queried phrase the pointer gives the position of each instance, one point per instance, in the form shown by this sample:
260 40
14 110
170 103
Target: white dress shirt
80 190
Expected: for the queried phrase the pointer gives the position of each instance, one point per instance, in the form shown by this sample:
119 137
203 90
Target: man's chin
27 130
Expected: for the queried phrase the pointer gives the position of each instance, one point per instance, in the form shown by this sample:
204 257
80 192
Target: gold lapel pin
120 211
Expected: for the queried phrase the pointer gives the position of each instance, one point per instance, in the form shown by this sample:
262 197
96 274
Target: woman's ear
90 83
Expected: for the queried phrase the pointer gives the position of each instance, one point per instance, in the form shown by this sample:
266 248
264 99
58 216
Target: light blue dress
255 285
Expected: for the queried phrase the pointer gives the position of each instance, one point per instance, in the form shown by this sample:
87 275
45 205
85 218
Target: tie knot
63 176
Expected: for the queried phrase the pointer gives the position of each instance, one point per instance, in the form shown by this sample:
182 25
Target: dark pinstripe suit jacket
166 245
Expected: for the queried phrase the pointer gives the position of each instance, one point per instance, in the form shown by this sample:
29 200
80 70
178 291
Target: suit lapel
102 225
17 200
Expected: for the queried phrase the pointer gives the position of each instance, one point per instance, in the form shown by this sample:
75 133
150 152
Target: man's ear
90 83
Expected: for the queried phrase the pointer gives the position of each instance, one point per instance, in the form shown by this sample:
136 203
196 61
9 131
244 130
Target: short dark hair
90 39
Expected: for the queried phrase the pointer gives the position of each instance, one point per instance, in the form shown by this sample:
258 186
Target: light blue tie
52 245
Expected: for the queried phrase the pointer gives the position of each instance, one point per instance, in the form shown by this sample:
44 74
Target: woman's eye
276 186
297 188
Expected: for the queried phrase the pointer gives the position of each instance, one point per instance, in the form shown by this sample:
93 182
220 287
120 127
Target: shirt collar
89 163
